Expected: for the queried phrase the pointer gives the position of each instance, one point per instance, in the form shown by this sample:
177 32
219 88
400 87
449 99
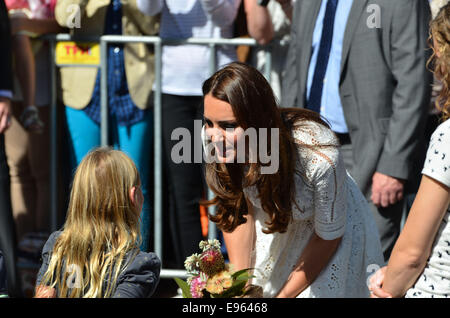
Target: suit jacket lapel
352 23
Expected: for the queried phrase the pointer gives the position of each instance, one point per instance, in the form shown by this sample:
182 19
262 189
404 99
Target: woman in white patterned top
420 262
305 227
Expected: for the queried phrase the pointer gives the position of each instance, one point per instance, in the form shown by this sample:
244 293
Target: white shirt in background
186 67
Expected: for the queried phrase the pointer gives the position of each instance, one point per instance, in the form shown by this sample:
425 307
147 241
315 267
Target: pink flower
197 287
212 262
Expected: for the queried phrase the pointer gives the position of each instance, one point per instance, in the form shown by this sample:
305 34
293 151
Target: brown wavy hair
440 59
254 105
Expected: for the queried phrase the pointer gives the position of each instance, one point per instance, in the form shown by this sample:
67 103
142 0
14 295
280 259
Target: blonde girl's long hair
440 32
102 225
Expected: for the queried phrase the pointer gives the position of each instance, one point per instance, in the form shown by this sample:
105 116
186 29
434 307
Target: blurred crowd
393 69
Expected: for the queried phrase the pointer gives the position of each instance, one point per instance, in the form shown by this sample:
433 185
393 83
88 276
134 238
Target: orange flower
219 282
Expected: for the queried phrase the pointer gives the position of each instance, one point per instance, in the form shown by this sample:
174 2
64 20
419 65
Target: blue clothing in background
119 99
130 128
331 108
135 140
326 39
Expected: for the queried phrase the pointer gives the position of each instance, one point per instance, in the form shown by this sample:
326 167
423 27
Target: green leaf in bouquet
241 272
242 275
184 287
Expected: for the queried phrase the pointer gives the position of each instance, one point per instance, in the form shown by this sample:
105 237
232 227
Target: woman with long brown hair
305 228
97 255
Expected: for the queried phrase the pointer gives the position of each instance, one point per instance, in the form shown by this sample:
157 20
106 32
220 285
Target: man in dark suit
7 227
362 65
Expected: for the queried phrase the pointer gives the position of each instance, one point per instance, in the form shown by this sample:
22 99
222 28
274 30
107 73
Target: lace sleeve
325 170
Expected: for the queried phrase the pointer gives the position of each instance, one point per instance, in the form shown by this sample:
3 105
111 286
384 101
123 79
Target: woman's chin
228 158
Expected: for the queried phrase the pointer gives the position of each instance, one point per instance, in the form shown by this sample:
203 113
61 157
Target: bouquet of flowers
210 277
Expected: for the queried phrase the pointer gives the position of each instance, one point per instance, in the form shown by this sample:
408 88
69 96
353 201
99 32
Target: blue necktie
315 95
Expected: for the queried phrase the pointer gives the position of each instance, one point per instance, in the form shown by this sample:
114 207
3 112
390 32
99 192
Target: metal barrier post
103 92
212 229
53 141
158 152
268 63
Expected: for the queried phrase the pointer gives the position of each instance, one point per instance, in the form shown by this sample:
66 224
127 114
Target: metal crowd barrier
157 42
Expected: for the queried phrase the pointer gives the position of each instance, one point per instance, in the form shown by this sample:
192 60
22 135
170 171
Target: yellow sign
77 53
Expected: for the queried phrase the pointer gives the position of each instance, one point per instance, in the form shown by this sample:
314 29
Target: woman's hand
376 281
5 114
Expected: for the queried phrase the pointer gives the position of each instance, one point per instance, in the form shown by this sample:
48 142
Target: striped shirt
186 67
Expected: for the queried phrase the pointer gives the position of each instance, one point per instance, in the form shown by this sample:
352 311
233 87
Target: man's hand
5 114
386 190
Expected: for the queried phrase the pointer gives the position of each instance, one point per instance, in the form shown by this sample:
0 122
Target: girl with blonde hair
97 252
420 262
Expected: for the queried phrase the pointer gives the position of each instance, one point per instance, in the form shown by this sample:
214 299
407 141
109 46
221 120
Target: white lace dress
331 205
